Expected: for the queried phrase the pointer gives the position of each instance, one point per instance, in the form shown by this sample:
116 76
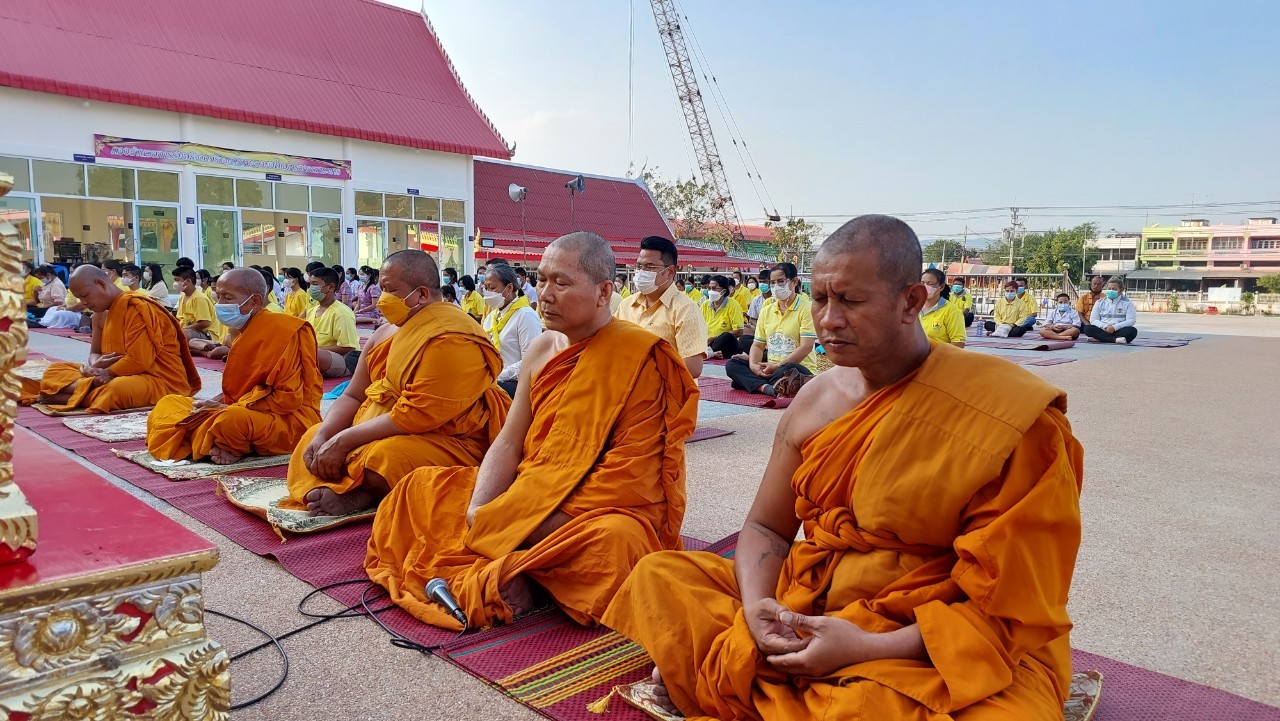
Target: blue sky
905 107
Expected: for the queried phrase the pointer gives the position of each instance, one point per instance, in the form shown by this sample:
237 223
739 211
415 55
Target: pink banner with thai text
164 151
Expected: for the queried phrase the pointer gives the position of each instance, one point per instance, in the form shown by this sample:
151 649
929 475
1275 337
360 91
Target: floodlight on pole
576 184
517 194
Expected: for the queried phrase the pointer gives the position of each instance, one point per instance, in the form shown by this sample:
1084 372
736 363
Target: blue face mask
1113 294
1021 290
688 287
1010 296
229 315
1064 307
957 289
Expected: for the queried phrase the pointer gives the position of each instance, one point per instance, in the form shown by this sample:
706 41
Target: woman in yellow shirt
942 320
472 300
724 319
297 301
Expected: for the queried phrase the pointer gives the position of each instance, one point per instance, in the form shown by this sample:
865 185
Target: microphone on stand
438 591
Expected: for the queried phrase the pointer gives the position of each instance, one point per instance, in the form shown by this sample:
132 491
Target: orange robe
436 377
271 389
156 361
606 447
969 529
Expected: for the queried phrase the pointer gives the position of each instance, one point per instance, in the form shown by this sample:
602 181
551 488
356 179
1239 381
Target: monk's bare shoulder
542 349
822 400
381 334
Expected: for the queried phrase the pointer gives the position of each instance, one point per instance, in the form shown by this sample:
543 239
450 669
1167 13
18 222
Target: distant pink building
1196 256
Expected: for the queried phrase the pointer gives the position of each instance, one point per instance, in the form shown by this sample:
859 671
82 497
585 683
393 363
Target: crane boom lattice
695 117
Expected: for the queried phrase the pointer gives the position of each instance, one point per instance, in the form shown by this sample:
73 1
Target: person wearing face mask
693 289
1063 322
335 324
112 268
723 317
423 394
763 294
661 307
353 281
296 301
1009 315
1086 301
512 326
939 317
131 276
1114 316
153 283
195 310
1030 308
620 285
271 386
269 279
367 312
51 294
138 354
781 359
69 312
962 299
740 292
472 299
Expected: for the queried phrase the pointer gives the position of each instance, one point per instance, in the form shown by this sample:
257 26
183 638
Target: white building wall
54 127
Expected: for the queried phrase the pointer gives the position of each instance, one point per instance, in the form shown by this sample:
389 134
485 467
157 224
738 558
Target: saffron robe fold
974 541
606 447
435 378
156 361
271 389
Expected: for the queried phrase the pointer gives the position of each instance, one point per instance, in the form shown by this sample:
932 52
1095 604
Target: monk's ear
915 296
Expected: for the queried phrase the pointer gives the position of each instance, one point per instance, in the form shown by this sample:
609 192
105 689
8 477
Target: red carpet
702 434
1035 343
1023 360
721 390
1130 693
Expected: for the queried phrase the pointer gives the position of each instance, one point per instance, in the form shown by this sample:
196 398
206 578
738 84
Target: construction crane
695 117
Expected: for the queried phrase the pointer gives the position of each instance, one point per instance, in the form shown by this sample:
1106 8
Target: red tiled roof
614 208
529 249
350 68
758 233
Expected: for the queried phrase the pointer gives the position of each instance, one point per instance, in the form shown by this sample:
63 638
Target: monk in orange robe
586 478
423 394
938 491
137 354
270 390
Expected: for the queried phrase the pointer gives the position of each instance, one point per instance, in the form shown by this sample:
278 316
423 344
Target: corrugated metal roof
350 68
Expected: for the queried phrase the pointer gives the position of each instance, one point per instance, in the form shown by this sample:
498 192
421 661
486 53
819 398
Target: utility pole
1015 232
964 246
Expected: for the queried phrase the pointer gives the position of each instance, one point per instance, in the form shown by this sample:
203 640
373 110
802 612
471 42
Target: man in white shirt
1114 316
753 312
50 295
1063 322
529 291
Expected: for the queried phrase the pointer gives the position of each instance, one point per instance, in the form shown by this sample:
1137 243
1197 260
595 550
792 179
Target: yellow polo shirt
672 317
743 296
782 331
696 296
944 323
197 307
726 319
296 303
30 287
336 327
1030 305
1009 312
963 302
474 304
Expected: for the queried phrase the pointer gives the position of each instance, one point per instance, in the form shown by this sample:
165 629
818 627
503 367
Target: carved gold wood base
128 645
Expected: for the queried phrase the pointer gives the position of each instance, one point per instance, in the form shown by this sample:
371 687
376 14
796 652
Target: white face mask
493 300
715 296
646 281
146 275
782 291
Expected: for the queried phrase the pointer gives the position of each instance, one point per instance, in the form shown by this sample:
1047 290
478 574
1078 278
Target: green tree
950 251
794 237
1270 282
686 205
1047 252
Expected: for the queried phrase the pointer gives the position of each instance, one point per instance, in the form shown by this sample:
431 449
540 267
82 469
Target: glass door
219 238
371 242
156 228
16 215
326 239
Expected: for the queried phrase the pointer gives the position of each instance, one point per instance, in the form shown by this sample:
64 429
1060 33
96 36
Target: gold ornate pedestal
128 644
17 518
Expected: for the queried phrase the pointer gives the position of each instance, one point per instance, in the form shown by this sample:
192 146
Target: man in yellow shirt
195 310
662 308
1030 307
741 293
724 319
781 359
1010 313
334 322
31 284
961 298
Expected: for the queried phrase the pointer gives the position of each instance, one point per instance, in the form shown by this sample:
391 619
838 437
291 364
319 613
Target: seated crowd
523 439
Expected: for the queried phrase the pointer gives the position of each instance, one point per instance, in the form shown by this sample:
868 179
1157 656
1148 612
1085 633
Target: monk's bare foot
661 696
219 353
518 595
223 458
324 502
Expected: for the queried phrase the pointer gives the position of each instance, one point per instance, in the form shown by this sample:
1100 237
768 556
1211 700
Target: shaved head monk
270 388
137 354
586 477
938 490
423 394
